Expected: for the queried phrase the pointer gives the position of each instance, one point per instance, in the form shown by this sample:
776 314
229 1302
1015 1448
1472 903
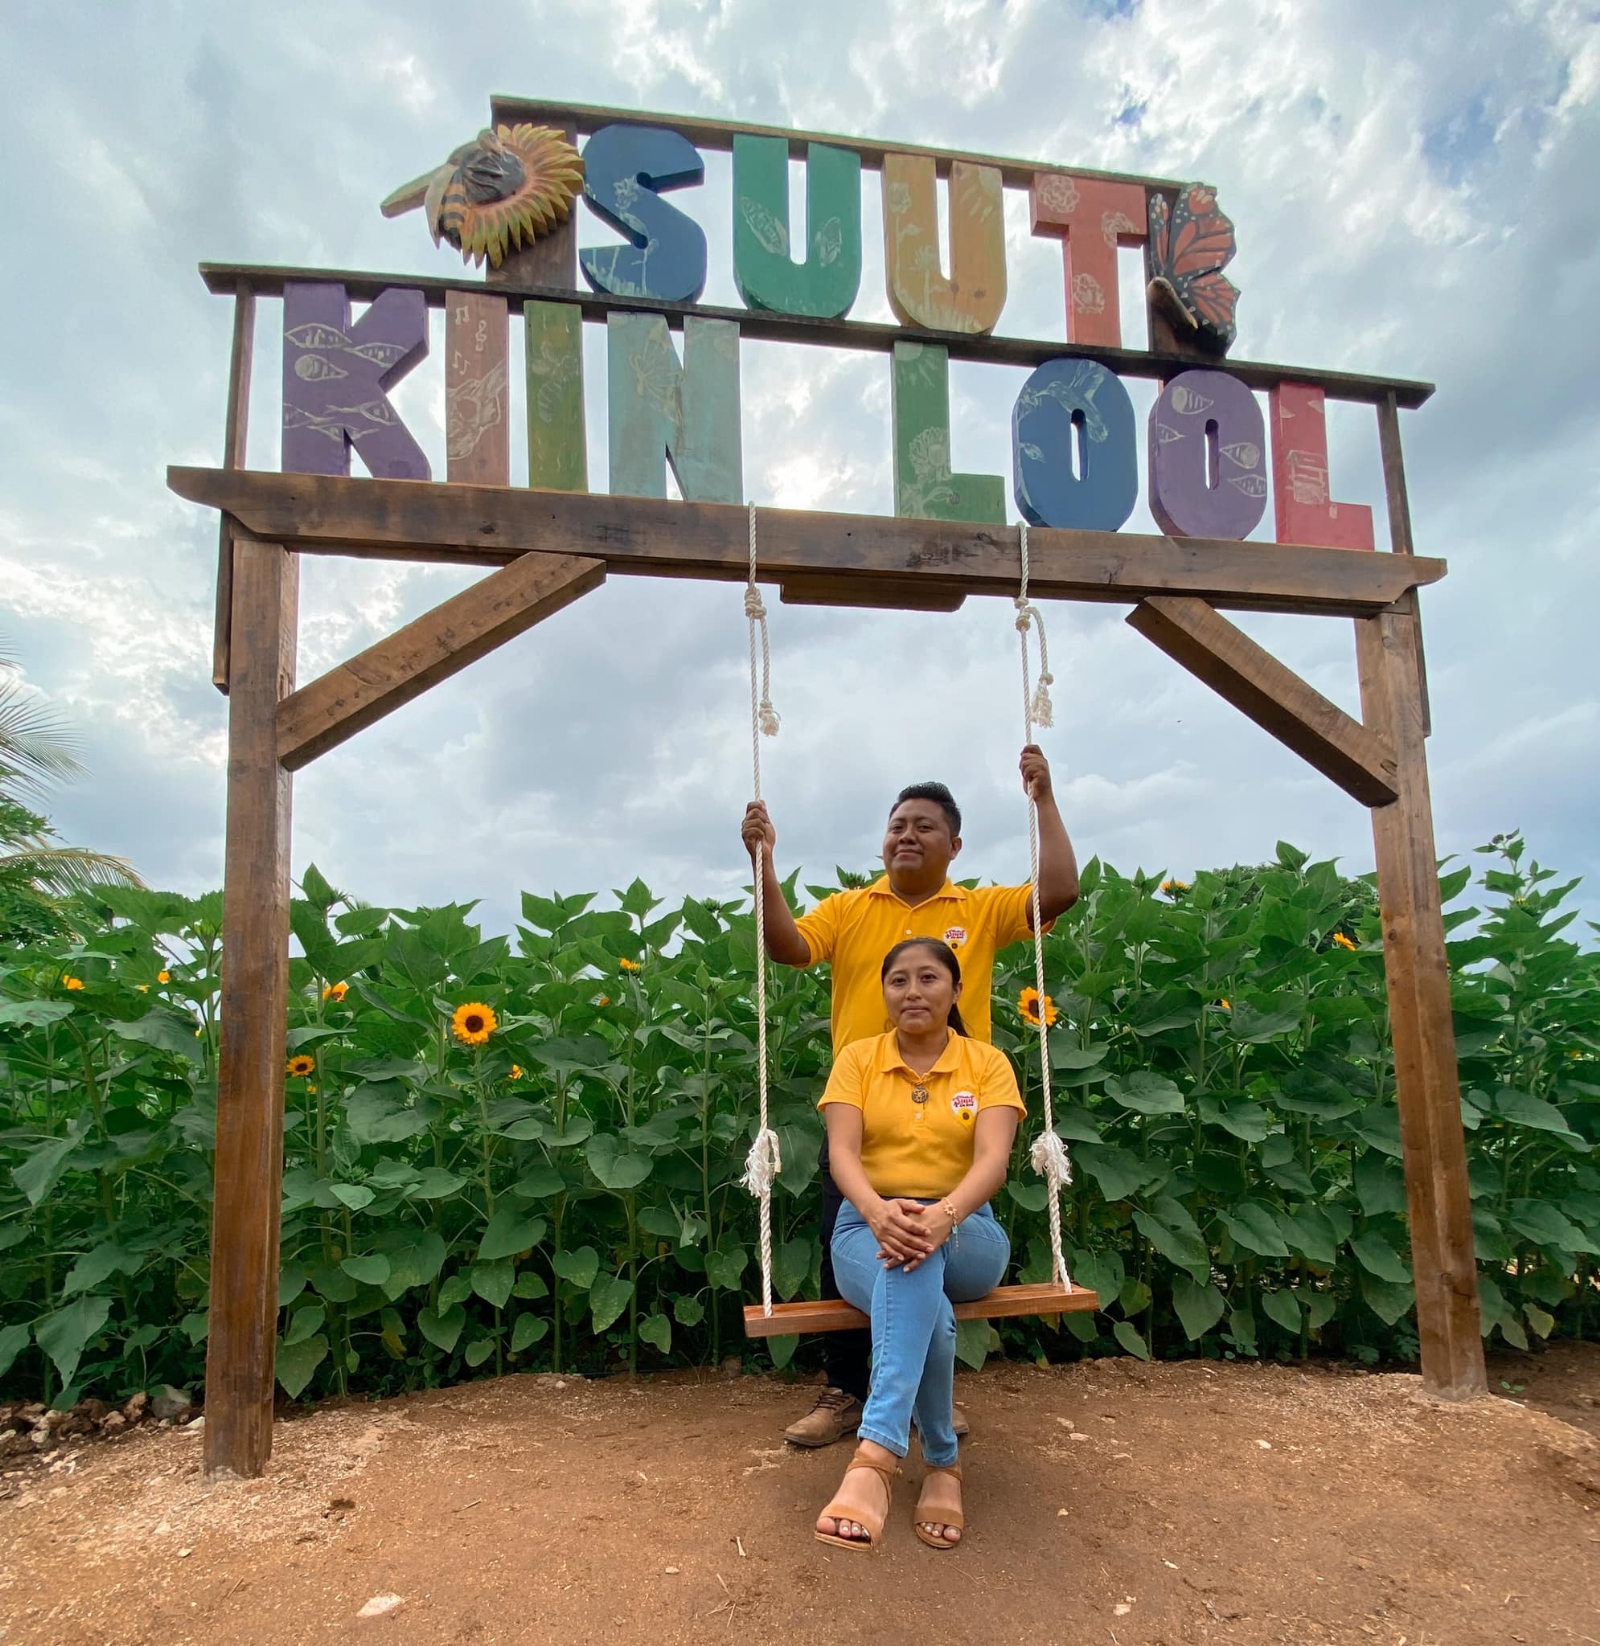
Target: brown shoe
834 1416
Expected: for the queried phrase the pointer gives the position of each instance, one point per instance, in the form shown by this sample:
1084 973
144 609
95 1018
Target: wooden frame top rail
719 134
761 325
660 537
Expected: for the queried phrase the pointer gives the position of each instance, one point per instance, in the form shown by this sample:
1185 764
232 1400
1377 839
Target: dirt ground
1109 1502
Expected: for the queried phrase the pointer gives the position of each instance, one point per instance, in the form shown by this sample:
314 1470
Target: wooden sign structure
1207 469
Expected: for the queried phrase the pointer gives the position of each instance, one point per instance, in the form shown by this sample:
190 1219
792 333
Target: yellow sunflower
336 992
629 965
163 977
1225 1005
72 982
473 1023
300 1066
1173 887
516 1071
1028 1005
1343 941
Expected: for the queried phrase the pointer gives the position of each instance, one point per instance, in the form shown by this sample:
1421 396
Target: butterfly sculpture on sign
1190 245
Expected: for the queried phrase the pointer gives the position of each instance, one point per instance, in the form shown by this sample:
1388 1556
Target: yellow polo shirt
920 1150
856 929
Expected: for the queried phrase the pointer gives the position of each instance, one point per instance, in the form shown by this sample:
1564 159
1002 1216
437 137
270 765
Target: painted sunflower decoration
503 189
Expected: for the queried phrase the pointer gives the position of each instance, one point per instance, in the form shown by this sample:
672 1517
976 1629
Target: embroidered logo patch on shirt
965 1105
955 936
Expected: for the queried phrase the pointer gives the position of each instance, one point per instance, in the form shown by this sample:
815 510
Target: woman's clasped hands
907 1231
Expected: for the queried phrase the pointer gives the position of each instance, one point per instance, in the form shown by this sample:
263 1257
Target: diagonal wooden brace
1215 651
469 625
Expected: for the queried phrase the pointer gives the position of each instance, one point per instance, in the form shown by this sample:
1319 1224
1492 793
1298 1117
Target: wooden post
255 981
1427 1084
1399 506
236 431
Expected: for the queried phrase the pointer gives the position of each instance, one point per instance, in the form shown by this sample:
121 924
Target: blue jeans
914 1327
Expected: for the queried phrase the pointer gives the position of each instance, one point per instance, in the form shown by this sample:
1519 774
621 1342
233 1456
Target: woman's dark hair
945 955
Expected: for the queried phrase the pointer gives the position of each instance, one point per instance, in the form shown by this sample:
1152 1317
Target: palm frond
36 746
58 871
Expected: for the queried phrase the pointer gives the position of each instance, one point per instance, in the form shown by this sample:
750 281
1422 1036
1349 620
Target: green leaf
34 1014
1098 1272
434 1183
1118 1171
357 1196
457 1289
656 1330
791 1264
1379 1258
620 1171
1029 1196
1541 1322
781 1346
442 1330
370 1271
725 1265
1127 1334
1380 1184
973 1338
380 1112
1526 1110
510 1231
13 1340
1310 1232
1066 1053
166 1031
1198 1307
297 1361
333 1283
1282 1307
1145 1093
1388 1300
578 1267
493 1281
688 1311
1247 1121
414 1260
578 1128
608 1297
1255 1228
106 1259
42 1170
527 1331
306 1321
539 1183
479 1351
1379 1128
1255 1028
570 1057
65 1334
1539 1221
1176 1244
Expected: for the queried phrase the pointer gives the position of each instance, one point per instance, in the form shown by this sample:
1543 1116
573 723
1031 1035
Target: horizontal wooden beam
719 134
831 1315
440 643
873 336
1275 697
661 537
903 594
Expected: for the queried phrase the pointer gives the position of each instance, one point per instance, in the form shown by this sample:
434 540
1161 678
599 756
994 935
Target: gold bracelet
950 1212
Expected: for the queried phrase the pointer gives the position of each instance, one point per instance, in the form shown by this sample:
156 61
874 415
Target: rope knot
1050 1160
1041 710
754 608
768 716
765 1161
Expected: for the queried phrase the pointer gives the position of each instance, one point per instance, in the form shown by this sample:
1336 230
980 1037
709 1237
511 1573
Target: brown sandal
938 1517
837 1511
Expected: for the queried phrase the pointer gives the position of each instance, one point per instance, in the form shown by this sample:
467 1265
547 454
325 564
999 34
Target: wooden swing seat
835 1315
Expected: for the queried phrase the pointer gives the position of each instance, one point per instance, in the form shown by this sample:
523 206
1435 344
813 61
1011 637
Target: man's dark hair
939 795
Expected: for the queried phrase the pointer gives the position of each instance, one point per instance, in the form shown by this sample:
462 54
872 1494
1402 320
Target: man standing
854 930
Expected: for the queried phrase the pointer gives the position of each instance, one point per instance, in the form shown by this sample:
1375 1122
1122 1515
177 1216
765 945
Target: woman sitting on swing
920 1126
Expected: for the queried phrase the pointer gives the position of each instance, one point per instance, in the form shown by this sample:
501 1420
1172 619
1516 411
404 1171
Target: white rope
765 1159
1048 1154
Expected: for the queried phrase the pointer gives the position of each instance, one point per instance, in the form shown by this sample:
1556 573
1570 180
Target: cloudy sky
1414 190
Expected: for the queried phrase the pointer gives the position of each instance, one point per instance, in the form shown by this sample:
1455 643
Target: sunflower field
525 1151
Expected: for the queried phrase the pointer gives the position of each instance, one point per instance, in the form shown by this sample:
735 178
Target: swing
1048 1154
